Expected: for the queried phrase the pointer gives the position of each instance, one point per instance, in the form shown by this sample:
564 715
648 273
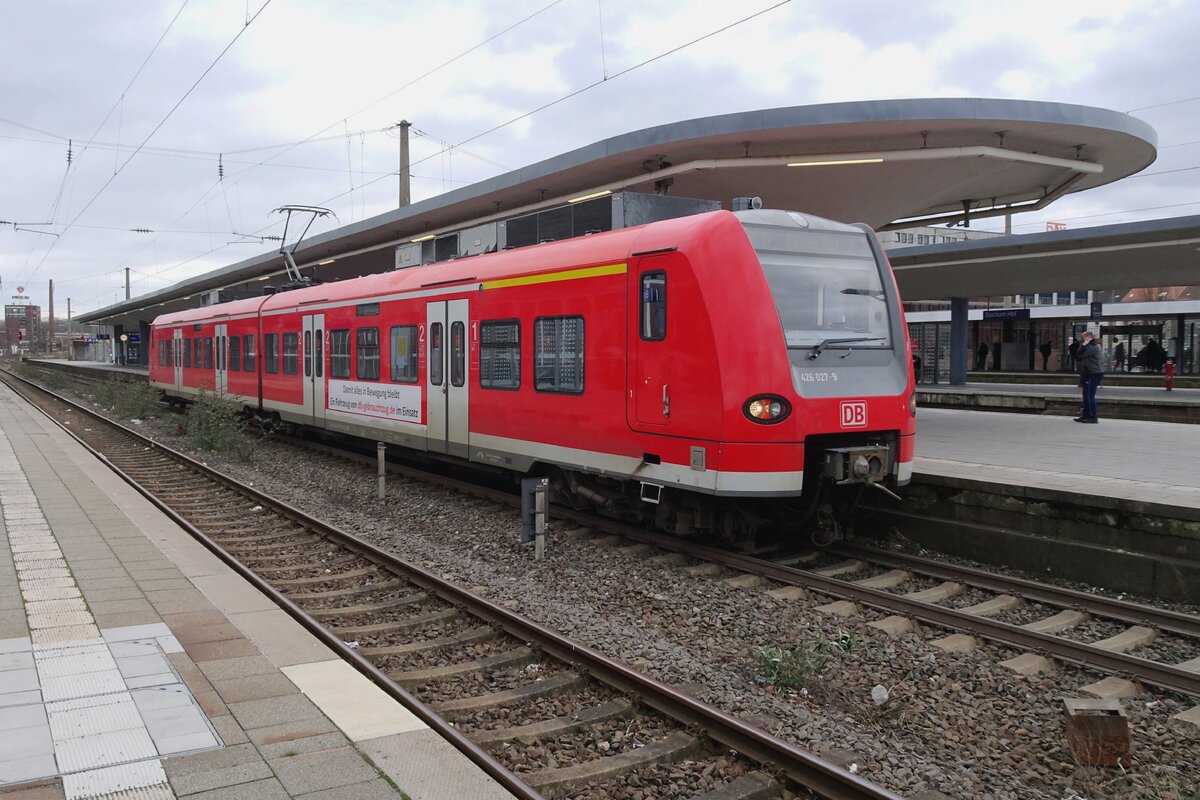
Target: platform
1152 462
114 371
1139 398
133 661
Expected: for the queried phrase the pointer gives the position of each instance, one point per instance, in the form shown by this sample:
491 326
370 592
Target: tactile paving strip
93 730
144 780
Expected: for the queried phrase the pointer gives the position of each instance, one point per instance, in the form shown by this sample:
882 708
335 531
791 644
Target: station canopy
1159 252
890 163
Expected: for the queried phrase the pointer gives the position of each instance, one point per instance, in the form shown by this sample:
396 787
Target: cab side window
653 317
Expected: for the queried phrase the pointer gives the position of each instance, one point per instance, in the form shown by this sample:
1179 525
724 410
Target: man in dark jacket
1089 361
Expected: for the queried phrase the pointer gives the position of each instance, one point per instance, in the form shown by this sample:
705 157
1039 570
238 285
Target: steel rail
799 765
1136 613
472 751
1163 676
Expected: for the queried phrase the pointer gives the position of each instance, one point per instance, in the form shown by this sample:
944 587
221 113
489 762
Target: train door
219 336
177 356
650 378
446 384
314 367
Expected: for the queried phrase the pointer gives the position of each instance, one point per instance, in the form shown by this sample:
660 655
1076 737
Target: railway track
971 601
1031 616
544 715
1066 610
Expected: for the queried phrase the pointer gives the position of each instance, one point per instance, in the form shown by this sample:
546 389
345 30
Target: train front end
852 399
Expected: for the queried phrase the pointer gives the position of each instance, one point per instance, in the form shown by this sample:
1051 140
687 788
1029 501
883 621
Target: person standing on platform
1149 355
1089 360
1072 349
981 356
1119 357
1045 350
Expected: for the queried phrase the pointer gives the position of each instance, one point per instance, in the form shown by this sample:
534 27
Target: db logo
854 415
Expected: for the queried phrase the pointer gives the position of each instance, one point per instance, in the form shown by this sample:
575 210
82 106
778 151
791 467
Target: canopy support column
958 341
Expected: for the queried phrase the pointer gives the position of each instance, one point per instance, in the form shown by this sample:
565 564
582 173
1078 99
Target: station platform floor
1154 462
135 664
1149 391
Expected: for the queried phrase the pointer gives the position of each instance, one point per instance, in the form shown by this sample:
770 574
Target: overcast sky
298 108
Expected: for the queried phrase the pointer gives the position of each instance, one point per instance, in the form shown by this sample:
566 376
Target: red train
726 372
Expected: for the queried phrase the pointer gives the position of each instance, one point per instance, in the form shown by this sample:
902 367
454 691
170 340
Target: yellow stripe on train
565 275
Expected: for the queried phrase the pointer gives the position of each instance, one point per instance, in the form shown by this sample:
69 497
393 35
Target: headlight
912 404
766 409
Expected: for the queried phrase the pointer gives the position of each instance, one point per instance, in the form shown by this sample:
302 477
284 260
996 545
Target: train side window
500 354
339 353
558 355
235 353
320 355
654 306
271 352
187 353
198 355
291 353
436 360
458 353
208 352
308 354
248 352
368 354
404 353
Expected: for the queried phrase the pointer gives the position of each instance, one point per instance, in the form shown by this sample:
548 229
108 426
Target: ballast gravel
956 723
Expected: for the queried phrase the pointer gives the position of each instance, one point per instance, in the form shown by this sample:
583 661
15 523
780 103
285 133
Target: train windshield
827 285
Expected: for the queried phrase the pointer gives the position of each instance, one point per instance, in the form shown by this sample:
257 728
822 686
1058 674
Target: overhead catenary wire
1164 105
581 90
150 135
243 173
74 163
544 106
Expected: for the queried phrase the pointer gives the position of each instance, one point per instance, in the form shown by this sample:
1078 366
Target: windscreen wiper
815 353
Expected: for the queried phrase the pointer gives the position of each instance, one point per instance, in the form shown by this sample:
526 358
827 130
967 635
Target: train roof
249 305
610 247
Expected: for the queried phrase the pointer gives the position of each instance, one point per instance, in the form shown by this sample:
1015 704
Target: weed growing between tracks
797 667
1141 781
128 400
216 423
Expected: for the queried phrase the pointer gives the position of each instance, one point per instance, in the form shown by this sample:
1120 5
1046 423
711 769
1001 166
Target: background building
22 327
